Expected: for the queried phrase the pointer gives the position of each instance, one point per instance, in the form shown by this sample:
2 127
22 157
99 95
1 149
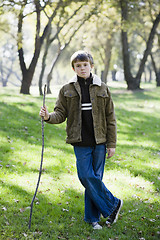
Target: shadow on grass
138 125
61 217
21 121
22 126
51 217
144 95
131 159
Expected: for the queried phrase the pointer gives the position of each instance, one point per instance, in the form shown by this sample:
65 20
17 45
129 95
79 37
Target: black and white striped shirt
86 106
88 138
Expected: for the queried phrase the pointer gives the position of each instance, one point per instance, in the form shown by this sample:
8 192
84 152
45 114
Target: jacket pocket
70 94
102 94
102 98
72 100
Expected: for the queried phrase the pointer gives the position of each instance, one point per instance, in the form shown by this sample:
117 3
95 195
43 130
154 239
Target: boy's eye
80 65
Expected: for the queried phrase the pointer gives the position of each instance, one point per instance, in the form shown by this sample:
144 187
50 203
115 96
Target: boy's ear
73 69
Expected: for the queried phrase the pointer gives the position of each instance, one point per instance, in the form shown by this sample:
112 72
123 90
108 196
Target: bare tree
7 65
133 83
107 55
49 40
63 42
28 72
156 70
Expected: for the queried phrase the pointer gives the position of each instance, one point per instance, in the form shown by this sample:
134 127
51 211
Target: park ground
132 174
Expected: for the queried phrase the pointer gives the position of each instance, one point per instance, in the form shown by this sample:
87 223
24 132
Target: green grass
132 174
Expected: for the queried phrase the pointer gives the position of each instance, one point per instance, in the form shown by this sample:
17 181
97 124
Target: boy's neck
85 78
85 81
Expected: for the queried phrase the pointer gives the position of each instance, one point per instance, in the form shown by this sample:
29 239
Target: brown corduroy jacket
68 106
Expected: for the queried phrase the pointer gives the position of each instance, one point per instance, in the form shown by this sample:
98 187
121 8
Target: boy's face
82 69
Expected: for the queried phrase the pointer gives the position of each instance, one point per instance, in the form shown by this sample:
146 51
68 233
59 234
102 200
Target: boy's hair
81 56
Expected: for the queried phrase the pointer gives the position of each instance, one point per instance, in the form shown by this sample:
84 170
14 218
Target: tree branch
148 47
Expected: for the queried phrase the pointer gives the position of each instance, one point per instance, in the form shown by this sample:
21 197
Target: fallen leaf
48 190
21 210
152 220
29 207
24 234
76 196
37 233
4 208
65 210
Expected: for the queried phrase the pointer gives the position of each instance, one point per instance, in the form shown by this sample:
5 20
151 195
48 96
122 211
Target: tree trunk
150 74
49 78
157 73
108 50
47 45
114 75
145 75
158 79
3 79
28 73
133 83
148 47
25 87
26 83
40 82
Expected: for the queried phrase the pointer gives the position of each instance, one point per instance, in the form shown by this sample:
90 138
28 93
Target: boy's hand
44 113
111 152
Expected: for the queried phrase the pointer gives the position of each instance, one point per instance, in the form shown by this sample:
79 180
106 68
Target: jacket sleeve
111 123
60 111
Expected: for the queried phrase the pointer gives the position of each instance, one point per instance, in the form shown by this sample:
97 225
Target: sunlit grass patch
132 174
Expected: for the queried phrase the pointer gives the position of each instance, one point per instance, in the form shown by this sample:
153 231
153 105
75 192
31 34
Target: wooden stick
40 170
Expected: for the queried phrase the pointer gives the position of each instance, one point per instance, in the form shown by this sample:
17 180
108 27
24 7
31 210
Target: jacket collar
96 80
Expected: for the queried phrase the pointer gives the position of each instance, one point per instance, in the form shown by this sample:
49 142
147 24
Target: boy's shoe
95 226
114 216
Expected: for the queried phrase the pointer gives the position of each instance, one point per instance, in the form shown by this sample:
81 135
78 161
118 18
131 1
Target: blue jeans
90 168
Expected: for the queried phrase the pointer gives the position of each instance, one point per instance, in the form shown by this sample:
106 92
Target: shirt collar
96 80
87 81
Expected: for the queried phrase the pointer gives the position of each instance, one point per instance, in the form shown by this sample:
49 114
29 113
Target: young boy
87 105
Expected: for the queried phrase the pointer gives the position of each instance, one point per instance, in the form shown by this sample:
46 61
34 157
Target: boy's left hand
111 152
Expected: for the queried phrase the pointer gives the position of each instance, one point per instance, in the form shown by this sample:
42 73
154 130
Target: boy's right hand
44 113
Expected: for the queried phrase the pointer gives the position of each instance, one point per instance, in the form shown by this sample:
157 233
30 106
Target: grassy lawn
133 174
